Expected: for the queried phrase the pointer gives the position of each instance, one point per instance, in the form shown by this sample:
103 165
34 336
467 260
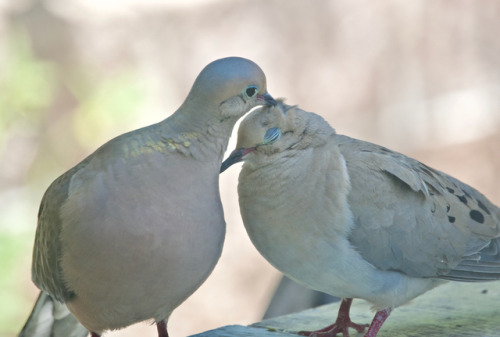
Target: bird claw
334 329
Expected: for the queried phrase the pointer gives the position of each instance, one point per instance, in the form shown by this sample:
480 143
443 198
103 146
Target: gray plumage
135 228
354 219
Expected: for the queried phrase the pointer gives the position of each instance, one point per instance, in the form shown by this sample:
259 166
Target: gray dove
136 227
357 220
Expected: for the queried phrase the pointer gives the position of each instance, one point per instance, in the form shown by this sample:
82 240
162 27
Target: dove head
229 88
275 131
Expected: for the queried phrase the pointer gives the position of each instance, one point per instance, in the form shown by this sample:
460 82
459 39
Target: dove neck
211 134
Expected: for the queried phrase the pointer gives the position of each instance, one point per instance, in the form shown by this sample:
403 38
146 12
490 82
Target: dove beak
235 157
267 99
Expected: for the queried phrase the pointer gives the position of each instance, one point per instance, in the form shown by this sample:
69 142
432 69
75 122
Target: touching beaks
267 99
235 157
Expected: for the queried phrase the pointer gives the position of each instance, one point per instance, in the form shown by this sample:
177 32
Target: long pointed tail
51 318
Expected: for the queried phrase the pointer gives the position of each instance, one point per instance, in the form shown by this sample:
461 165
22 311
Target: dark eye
250 91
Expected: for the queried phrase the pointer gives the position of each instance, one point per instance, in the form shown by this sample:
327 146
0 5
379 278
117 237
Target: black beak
235 157
268 99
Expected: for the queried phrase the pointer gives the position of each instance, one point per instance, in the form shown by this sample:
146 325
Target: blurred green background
420 76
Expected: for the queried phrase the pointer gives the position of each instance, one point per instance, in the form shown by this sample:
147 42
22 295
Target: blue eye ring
271 136
251 91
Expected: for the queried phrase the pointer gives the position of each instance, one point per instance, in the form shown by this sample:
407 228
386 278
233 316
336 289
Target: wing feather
417 220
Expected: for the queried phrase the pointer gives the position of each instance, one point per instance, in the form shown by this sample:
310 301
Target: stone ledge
453 309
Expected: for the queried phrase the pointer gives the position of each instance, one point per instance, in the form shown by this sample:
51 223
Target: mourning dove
135 228
357 220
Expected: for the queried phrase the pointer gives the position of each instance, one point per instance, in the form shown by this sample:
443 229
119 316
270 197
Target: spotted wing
417 220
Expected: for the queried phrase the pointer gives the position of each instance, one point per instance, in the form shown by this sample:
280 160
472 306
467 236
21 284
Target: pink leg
341 325
162 329
377 322
161 326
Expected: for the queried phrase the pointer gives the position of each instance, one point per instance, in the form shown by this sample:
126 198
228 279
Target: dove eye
250 91
271 136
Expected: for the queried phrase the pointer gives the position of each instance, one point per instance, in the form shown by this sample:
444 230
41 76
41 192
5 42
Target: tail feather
482 266
51 318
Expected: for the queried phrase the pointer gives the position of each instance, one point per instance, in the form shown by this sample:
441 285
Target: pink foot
377 322
341 325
